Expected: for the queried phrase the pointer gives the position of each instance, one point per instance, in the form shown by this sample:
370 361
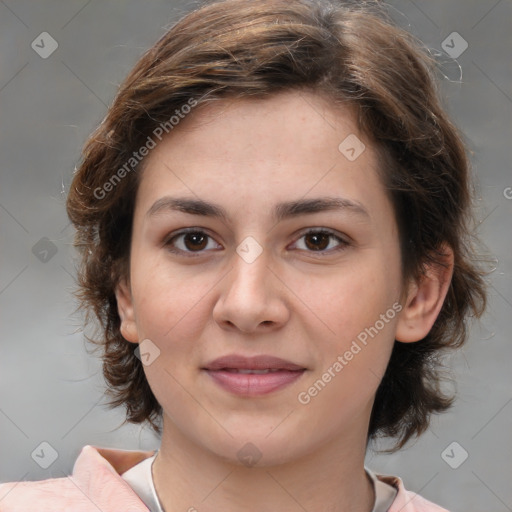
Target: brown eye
317 241
189 242
322 241
195 241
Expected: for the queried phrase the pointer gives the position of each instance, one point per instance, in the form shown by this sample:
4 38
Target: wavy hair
349 52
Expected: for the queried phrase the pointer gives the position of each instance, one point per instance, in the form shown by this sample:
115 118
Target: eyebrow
280 211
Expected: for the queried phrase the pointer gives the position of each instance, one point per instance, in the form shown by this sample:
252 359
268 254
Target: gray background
52 390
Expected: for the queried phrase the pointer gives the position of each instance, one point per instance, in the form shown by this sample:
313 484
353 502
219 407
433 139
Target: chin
255 448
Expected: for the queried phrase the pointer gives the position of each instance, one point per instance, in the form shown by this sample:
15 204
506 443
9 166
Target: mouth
253 372
253 376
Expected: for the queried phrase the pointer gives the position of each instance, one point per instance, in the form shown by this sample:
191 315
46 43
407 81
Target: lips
264 362
253 376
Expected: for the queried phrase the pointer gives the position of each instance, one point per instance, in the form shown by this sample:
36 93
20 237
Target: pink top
96 483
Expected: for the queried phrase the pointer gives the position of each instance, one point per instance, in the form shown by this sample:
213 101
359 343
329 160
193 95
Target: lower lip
254 384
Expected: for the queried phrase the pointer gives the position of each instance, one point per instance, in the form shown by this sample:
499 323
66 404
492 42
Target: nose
252 298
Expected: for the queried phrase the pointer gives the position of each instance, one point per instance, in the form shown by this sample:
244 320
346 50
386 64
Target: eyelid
343 239
167 241
320 229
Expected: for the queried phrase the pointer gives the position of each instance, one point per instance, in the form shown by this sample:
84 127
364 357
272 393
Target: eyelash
192 254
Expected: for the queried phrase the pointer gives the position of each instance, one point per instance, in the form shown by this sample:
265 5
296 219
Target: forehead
300 121
287 146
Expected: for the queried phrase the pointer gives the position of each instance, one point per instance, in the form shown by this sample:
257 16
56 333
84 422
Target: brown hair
349 52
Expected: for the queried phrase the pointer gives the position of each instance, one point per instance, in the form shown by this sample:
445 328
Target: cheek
360 307
169 307
170 312
352 361
354 298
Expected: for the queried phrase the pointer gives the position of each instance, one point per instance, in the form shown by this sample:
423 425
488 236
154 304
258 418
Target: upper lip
262 362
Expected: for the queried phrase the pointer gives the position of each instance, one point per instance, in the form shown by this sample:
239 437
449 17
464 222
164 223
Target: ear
126 311
425 298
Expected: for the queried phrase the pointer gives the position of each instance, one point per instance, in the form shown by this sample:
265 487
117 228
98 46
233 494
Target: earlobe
126 311
425 299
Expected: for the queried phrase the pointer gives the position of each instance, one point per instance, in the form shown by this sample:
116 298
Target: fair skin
294 301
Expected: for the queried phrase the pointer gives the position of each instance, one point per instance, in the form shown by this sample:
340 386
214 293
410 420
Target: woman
272 220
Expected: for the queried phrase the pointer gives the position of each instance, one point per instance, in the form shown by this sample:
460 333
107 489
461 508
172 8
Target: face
296 285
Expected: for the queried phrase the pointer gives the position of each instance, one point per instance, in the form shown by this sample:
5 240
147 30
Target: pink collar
96 483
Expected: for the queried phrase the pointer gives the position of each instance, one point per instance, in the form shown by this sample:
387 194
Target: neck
190 478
